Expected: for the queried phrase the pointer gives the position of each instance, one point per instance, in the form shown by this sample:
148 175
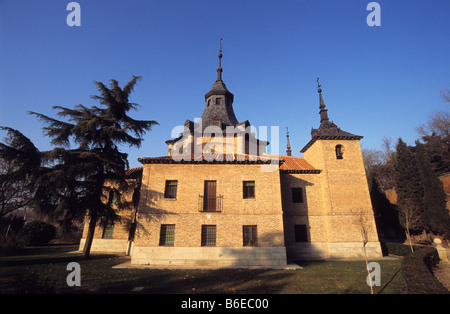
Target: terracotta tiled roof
296 164
287 163
391 195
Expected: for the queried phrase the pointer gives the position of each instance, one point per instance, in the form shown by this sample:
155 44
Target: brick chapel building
210 201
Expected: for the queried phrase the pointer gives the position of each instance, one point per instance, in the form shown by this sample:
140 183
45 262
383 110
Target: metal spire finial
219 69
288 144
323 112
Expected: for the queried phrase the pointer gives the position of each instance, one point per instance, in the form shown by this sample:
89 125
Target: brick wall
121 228
264 210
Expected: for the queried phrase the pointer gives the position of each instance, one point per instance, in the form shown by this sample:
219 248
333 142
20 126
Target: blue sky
376 81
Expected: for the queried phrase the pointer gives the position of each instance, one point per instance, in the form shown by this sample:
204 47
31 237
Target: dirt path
442 272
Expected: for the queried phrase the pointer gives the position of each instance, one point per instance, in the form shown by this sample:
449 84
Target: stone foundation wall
209 256
333 250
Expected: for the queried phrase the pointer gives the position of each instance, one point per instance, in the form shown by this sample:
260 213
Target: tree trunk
408 235
89 237
367 266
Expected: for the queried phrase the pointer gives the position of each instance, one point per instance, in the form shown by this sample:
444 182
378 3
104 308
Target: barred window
250 235
167 235
249 189
171 189
208 235
108 231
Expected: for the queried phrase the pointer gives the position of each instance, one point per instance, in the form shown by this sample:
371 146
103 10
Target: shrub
398 249
416 269
10 244
37 233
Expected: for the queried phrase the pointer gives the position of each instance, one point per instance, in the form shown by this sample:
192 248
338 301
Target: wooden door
209 201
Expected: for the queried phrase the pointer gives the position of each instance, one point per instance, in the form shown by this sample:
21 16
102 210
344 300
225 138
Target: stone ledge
208 256
333 251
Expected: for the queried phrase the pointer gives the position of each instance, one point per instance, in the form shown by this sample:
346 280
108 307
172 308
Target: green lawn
43 270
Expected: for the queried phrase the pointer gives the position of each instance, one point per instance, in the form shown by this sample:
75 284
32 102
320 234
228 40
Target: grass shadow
389 281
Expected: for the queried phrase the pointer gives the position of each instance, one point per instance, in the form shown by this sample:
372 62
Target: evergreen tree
435 135
386 215
19 165
74 179
408 188
435 213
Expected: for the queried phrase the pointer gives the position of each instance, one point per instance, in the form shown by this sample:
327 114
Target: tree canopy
70 179
19 163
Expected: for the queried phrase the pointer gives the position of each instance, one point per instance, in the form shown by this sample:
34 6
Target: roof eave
330 137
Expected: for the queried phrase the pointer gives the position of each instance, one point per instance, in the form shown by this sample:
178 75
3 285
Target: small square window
297 195
171 189
208 235
108 231
249 189
167 235
250 235
218 101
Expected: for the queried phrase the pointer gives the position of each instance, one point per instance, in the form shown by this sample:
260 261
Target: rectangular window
250 235
300 233
167 235
108 231
297 195
208 235
249 189
171 189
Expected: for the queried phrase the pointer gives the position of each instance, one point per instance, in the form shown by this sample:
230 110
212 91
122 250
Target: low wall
209 256
333 250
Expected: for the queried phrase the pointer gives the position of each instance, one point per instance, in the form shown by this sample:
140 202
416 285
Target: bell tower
345 199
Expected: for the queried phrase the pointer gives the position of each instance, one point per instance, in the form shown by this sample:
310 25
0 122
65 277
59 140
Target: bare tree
445 95
438 125
388 149
363 222
371 158
410 212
